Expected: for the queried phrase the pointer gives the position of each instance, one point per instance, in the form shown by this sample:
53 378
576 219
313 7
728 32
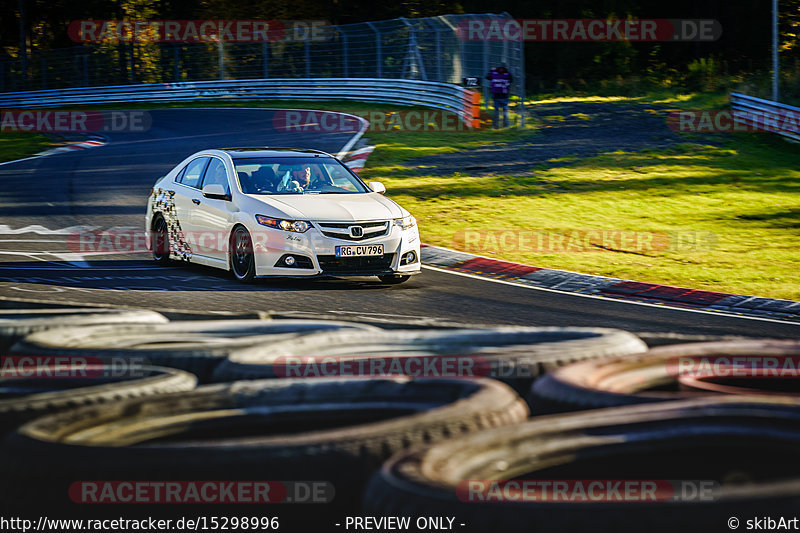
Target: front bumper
319 249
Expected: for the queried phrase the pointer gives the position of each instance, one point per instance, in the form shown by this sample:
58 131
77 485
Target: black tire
515 355
242 258
393 279
692 440
338 431
160 240
194 346
645 378
17 323
77 384
659 338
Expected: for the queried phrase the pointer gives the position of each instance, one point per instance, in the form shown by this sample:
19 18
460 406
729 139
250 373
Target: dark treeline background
742 53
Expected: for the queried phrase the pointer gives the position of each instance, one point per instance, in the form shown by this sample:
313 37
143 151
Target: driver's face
303 176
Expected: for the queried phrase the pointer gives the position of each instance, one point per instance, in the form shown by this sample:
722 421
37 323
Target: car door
184 201
211 217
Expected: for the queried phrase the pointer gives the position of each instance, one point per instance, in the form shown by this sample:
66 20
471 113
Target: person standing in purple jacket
500 80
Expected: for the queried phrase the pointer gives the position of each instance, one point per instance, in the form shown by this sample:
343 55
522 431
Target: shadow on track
138 275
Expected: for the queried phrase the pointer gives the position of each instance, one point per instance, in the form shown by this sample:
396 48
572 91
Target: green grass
720 218
16 145
715 100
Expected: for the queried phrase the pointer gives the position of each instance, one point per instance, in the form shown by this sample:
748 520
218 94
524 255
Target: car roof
266 151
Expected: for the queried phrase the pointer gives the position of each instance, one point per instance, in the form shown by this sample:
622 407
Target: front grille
341 230
374 263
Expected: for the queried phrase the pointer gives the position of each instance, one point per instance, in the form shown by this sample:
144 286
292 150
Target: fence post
176 59
85 70
345 50
485 70
438 56
221 59
265 56
378 55
44 73
308 57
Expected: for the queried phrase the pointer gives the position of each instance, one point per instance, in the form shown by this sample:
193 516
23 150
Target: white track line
608 299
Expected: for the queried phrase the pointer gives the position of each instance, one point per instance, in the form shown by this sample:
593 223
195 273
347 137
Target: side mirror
377 187
215 191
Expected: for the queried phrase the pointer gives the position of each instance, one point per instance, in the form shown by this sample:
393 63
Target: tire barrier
658 338
17 323
515 355
193 346
682 466
25 395
651 377
335 430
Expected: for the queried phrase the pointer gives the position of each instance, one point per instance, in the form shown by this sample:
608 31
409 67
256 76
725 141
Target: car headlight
406 222
298 226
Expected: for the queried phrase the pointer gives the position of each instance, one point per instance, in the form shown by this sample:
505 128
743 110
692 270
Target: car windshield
296 175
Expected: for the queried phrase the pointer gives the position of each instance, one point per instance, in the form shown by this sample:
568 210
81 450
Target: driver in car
302 177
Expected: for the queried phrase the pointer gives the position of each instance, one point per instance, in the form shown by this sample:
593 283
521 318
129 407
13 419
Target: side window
190 176
215 173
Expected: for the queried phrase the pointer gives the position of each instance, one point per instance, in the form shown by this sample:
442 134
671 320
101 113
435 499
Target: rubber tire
147 381
611 382
50 453
516 354
434 481
160 239
249 275
394 279
194 346
17 323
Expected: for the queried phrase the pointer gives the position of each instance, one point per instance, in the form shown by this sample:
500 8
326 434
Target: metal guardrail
445 96
766 115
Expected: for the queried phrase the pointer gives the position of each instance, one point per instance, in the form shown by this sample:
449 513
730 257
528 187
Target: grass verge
19 145
722 218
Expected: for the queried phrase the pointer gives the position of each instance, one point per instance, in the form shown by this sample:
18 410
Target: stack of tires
387 421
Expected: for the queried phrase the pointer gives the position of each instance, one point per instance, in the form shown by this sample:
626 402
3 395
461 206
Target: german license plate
359 251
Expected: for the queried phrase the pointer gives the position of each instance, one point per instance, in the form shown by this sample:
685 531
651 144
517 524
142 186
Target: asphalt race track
107 187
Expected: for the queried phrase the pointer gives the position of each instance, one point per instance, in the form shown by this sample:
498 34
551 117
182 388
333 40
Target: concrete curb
94 141
564 280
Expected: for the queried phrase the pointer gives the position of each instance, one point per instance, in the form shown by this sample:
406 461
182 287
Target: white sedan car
262 212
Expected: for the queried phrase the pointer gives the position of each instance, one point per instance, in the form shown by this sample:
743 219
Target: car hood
335 207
